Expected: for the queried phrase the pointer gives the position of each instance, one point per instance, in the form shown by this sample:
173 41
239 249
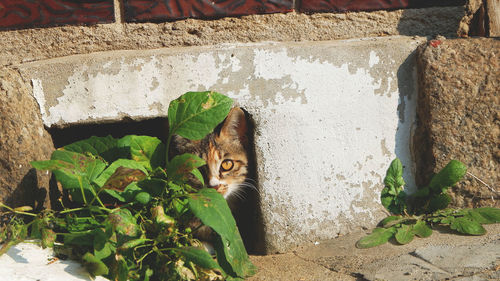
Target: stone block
329 116
22 139
459 116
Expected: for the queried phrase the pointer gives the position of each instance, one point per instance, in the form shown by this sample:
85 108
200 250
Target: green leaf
485 215
195 114
105 147
197 174
48 238
422 192
447 220
394 175
146 150
155 187
122 268
198 256
378 236
79 239
421 229
404 234
126 195
36 228
394 204
386 199
122 174
74 171
439 202
181 165
132 244
124 223
212 209
390 221
467 226
94 265
448 176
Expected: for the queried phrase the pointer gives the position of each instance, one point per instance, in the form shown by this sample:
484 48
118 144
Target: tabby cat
225 152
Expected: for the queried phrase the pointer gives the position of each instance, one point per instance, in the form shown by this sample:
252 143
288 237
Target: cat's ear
235 125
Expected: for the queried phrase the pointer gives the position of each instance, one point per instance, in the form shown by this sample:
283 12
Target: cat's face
224 151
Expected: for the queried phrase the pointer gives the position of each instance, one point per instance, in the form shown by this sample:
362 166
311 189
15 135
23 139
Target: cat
226 153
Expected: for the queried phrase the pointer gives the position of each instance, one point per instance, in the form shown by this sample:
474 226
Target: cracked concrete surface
443 256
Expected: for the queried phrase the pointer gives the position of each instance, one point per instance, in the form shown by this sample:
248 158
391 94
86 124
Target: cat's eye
227 165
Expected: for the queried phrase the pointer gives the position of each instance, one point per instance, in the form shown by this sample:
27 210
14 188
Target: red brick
143 10
15 14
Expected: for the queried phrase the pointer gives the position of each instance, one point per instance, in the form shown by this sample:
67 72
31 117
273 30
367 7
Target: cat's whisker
250 186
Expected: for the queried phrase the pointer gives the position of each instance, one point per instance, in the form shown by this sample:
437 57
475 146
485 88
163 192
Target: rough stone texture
329 116
459 116
36 44
22 139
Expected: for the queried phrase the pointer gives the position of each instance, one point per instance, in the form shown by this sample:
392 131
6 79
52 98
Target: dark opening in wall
247 212
157 127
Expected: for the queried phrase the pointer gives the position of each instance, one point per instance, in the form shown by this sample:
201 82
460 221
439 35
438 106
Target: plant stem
96 197
81 189
81 209
143 257
167 146
24 213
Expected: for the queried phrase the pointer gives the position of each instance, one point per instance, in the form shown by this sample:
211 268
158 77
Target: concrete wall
330 116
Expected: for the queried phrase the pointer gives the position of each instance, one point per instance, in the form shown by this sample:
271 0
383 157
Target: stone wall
22 139
459 116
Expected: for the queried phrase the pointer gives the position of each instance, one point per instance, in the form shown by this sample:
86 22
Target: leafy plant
130 206
415 215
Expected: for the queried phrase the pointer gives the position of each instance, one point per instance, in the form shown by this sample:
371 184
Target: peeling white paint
327 125
132 89
374 59
39 95
311 141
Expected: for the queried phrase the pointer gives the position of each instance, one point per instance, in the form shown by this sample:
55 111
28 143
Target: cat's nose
214 182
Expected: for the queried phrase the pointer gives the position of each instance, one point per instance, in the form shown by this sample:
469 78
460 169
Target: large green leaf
94 265
153 186
394 176
182 165
467 226
199 257
74 171
485 215
124 223
421 229
106 175
438 202
390 221
195 114
106 147
404 234
211 208
146 150
448 176
378 236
